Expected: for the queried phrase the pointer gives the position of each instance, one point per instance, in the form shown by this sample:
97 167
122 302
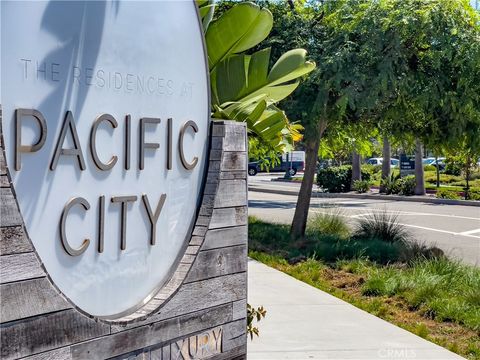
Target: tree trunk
356 167
386 162
419 174
299 223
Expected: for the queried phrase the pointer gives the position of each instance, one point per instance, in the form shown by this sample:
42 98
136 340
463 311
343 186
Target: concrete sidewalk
305 323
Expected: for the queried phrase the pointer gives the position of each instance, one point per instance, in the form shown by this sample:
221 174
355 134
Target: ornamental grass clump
330 223
383 226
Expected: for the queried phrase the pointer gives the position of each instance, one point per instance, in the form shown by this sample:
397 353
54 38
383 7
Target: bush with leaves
453 167
254 314
391 184
447 194
470 194
337 179
407 185
361 186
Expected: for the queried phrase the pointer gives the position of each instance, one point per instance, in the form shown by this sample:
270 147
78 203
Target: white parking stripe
400 212
466 233
470 232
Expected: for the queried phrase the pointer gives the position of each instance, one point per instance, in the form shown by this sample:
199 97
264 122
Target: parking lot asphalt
453 228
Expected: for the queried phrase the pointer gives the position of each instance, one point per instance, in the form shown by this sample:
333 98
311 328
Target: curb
318 194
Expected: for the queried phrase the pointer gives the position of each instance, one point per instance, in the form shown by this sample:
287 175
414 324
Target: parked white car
379 161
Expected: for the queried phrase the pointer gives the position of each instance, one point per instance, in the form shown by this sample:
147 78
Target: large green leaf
206 9
267 122
240 28
243 77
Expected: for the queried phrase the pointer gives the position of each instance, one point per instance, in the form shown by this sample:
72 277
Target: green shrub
332 223
372 169
472 194
429 168
361 186
447 194
337 179
475 175
391 184
453 167
407 185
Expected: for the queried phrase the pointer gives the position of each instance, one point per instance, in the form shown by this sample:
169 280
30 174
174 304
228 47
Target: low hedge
337 179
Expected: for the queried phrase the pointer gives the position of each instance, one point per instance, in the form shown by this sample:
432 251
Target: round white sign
105 121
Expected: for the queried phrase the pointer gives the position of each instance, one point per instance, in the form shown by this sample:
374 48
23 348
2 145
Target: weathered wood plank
231 193
232 140
214 166
63 353
238 353
218 129
235 139
233 161
229 175
218 262
225 237
3 164
19 267
10 216
47 332
234 334
13 240
228 217
156 333
210 189
196 241
4 182
239 309
29 298
196 296
199 230
215 154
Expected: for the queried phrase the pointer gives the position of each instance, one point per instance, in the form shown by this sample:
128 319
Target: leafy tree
437 92
351 79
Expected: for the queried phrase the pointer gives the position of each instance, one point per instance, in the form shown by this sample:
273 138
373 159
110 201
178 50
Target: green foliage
447 194
453 167
243 88
407 185
471 194
327 239
361 186
254 315
429 168
391 183
444 290
330 223
241 28
395 184
337 179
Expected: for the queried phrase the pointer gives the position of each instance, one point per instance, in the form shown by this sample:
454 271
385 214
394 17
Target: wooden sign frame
199 314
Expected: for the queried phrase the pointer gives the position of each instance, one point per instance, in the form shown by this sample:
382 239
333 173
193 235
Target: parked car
296 164
440 162
379 161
